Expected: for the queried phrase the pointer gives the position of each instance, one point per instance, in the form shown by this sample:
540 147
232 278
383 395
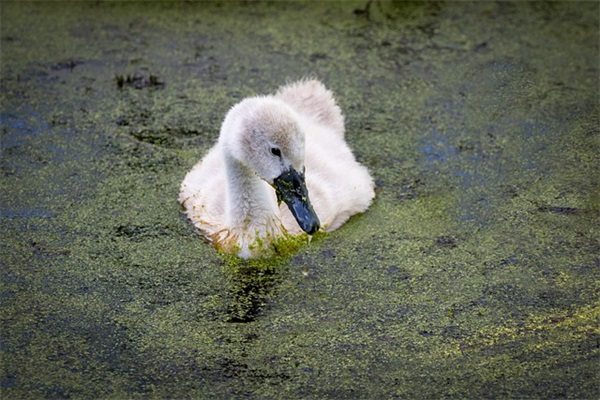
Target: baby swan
272 150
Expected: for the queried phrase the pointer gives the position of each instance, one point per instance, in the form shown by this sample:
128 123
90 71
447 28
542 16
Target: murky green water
474 274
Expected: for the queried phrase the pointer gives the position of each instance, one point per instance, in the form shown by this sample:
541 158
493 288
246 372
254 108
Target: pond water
475 273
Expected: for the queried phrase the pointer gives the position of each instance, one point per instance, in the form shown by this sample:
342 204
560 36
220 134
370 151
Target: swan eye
276 152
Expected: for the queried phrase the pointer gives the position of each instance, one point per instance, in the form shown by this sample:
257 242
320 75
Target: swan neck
249 201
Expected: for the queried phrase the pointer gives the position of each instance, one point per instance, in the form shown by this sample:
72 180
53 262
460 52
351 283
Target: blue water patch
472 167
8 381
437 149
32 213
16 131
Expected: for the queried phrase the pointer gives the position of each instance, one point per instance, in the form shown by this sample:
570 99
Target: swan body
281 167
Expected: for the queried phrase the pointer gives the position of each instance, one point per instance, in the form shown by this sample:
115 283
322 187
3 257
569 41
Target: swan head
263 134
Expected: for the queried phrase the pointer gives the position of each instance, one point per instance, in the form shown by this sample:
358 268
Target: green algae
473 274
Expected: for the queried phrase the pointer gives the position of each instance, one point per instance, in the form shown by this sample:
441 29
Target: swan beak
291 189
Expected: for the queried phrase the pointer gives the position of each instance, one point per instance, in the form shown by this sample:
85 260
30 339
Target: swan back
312 100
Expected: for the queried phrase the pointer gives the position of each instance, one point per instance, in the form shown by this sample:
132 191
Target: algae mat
474 274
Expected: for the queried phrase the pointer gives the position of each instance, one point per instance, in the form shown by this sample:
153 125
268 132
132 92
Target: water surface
474 274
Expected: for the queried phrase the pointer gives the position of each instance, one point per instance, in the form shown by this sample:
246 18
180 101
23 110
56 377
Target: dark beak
291 188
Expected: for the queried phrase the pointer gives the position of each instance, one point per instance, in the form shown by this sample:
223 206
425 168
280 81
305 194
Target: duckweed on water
474 273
